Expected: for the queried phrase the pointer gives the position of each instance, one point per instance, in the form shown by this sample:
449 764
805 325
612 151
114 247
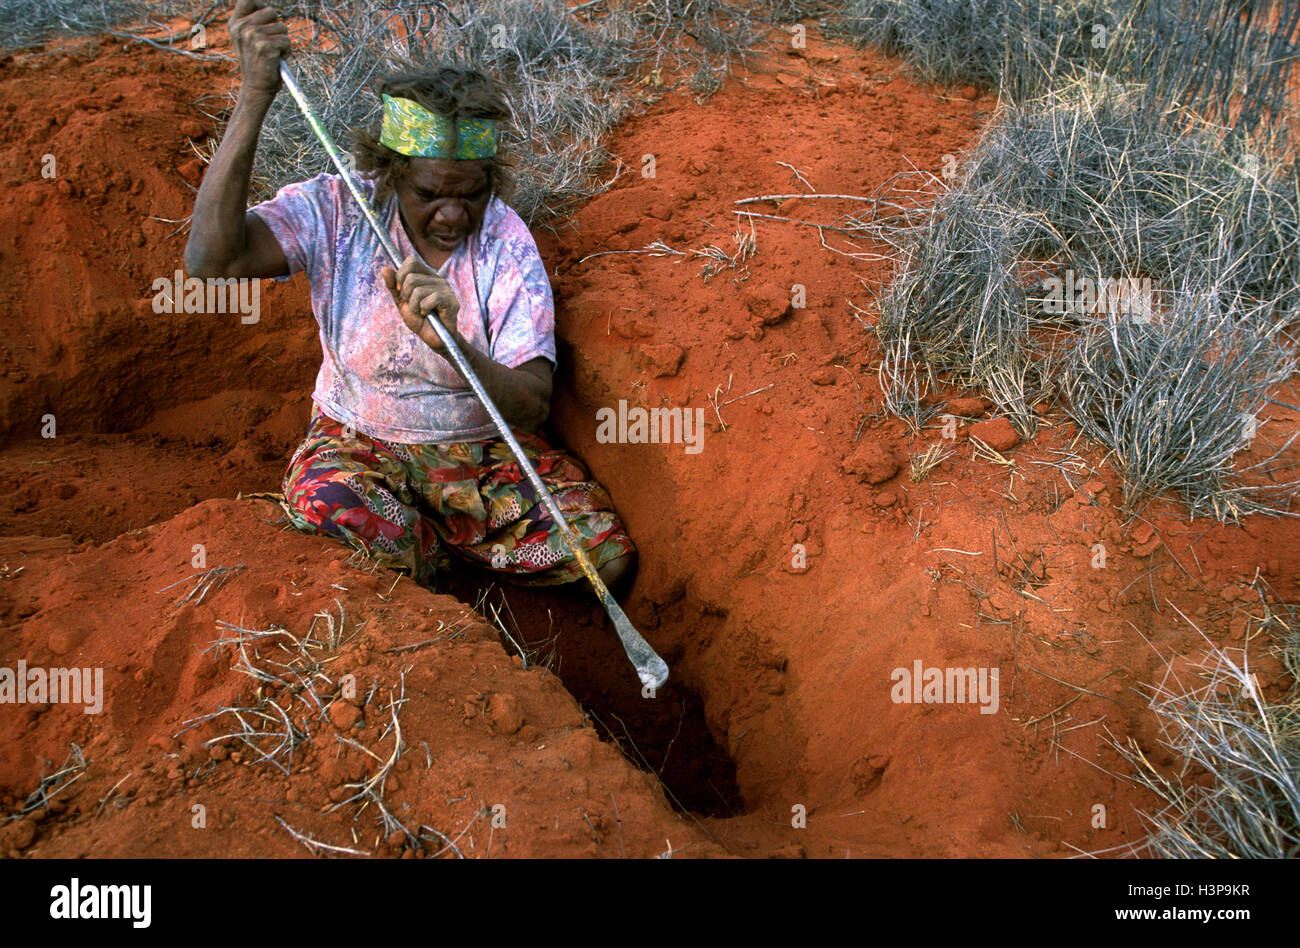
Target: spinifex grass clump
1229 62
708 34
25 23
558 73
1175 398
1222 725
1128 191
1187 245
952 41
786 11
960 308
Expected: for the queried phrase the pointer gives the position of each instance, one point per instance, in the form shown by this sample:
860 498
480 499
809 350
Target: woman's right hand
260 39
421 295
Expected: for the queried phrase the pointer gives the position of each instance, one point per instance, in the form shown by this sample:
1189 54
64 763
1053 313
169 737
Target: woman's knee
328 506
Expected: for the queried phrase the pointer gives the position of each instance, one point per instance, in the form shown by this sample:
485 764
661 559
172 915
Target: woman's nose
451 214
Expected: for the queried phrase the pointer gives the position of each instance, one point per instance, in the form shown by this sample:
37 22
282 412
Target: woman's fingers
411 318
409 267
423 300
418 294
424 291
426 299
260 38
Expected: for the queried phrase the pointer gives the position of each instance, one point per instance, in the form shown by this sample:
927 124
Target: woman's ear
388 181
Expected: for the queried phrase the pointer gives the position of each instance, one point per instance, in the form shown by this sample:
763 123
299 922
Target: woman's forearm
523 397
217 232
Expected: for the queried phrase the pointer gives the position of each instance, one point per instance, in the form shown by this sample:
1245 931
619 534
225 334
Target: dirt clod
504 714
823 376
872 463
18 835
968 407
770 303
344 715
662 360
997 433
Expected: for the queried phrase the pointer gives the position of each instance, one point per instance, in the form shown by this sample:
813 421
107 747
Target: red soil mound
789 567
497 758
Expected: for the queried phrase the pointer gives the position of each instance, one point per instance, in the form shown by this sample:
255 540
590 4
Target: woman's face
442 200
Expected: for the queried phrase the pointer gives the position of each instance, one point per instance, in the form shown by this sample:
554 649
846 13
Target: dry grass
922 464
1085 183
1219 724
1228 62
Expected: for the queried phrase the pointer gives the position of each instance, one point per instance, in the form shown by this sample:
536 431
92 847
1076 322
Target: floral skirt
411 506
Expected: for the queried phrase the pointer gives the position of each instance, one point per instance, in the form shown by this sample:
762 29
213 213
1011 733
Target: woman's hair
450 91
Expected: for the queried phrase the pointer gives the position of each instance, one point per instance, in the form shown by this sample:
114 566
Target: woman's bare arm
225 240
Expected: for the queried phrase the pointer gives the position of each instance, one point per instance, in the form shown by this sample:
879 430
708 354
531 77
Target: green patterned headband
411 129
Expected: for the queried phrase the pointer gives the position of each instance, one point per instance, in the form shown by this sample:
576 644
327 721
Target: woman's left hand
418 293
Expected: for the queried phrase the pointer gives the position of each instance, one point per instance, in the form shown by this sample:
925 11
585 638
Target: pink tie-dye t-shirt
375 373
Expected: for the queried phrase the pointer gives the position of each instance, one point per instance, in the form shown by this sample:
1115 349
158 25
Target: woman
400 458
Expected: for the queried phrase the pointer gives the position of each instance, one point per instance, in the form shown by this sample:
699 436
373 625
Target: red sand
780 697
